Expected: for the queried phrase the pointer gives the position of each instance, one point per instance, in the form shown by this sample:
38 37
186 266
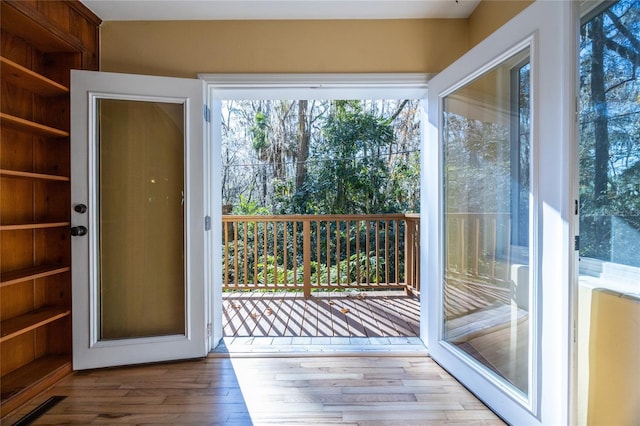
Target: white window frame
625 283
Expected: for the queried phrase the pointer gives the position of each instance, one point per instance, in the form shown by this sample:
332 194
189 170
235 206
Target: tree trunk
304 135
264 185
601 122
601 139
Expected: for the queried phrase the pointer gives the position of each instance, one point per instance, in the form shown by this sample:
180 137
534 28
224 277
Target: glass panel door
141 218
497 212
486 154
138 247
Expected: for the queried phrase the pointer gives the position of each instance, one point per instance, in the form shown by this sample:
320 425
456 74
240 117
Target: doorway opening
320 218
304 253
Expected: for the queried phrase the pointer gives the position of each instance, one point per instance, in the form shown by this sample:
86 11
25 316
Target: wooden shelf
23 77
30 126
15 277
31 175
36 376
42 41
24 20
24 226
24 323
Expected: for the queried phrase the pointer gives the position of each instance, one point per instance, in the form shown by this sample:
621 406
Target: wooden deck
399 390
324 314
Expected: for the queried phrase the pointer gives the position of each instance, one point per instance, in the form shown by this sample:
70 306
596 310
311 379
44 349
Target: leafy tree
304 139
351 175
279 153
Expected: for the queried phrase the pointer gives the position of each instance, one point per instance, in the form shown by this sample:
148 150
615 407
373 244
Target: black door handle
79 231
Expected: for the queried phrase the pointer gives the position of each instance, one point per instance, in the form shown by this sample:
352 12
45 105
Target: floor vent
39 411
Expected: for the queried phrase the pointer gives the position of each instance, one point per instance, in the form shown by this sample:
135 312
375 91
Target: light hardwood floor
303 390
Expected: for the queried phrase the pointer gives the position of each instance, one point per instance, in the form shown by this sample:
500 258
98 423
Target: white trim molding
317 86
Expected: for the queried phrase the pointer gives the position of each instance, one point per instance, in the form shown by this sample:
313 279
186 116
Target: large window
609 220
610 135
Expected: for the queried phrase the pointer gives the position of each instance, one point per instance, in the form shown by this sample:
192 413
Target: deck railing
484 265
321 252
479 245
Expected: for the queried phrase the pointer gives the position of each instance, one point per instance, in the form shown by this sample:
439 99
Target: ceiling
158 10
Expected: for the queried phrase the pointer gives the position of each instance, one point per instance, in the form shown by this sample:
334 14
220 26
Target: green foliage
272 271
250 207
259 134
332 156
352 176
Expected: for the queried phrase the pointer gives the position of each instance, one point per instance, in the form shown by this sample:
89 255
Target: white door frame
552 29
281 86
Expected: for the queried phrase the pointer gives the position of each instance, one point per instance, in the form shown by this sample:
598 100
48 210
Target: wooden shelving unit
30 126
38 374
23 77
39 225
30 175
16 326
32 273
41 41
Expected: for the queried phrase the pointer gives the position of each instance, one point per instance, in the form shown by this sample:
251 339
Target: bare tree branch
623 51
633 78
399 110
624 30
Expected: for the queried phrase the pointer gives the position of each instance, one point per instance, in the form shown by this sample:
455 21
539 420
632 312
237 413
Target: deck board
325 314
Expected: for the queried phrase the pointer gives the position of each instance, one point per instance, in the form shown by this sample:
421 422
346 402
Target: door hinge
209 329
207 223
576 243
207 114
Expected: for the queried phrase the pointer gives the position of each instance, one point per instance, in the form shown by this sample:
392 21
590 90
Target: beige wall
175 48
490 15
609 349
185 48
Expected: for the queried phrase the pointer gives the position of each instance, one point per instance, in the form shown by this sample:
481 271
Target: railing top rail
478 213
314 218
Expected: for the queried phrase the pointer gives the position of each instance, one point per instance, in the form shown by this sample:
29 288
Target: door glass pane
141 219
486 146
609 226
